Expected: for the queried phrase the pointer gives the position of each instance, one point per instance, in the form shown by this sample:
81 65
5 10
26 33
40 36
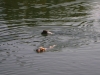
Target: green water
75 24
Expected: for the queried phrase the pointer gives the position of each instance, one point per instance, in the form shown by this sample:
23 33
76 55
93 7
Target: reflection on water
75 24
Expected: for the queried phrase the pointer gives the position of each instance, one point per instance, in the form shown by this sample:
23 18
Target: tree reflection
28 9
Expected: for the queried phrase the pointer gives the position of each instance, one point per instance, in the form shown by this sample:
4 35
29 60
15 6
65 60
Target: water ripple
75 25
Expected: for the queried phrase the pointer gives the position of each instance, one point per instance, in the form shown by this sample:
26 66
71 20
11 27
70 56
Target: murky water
75 24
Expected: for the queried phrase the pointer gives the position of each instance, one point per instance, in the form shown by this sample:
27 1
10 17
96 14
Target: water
75 24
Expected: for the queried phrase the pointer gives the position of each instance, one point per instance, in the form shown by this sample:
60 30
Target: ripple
74 25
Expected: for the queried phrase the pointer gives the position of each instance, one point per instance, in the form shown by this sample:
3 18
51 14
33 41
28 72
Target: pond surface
76 28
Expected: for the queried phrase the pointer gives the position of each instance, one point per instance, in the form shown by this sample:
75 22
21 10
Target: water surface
75 24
